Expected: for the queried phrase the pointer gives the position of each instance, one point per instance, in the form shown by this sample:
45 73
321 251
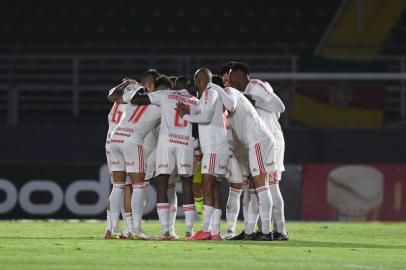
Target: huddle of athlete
159 131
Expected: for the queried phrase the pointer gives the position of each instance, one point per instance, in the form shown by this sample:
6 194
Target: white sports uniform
150 143
211 117
114 117
175 141
251 131
234 171
126 150
269 107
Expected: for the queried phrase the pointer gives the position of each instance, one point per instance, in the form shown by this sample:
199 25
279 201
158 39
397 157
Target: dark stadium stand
175 25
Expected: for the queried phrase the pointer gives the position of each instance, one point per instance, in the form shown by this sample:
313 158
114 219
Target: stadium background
339 67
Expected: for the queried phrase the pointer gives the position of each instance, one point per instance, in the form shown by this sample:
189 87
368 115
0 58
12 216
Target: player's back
174 130
246 122
260 91
114 117
137 122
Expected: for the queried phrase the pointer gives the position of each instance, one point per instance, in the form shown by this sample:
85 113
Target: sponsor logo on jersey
114 162
222 167
269 164
129 163
178 142
125 129
117 141
122 134
163 166
185 165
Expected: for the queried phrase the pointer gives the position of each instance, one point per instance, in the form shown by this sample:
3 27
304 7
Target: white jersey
137 121
174 131
244 119
211 117
268 105
151 140
114 117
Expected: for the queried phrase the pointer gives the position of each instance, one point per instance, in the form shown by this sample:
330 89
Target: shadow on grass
290 243
315 244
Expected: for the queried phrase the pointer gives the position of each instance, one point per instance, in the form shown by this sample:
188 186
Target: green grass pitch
80 245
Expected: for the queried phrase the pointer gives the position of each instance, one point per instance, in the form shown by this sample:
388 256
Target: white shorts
169 157
261 158
127 157
128 179
241 154
150 168
234 172
215 163
280 154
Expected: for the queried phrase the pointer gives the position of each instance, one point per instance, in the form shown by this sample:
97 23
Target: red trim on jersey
259 158
212 163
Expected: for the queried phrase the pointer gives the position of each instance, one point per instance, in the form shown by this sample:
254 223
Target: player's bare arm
116 95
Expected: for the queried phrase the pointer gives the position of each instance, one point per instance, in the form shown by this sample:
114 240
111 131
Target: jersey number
179 122
116 114
138 112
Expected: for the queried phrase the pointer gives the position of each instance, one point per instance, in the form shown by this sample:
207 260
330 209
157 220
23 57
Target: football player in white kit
127 156
175 148
269 107
234 175
253 133
114 117
211 121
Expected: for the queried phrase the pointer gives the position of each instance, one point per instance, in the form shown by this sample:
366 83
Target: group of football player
160 131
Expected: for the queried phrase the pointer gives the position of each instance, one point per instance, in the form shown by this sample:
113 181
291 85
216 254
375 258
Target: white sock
245 200
233 208
278 212
137 205
108 220
190 212
146 187
173 206
252 212
116 203
207 216
265 208
216 221
129 222
163 214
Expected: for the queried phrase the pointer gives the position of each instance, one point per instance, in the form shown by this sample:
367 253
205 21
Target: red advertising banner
354 192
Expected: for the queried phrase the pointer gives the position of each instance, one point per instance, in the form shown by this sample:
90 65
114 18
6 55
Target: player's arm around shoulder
116 93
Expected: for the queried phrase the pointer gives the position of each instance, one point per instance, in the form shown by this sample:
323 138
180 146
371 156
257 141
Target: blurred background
338 65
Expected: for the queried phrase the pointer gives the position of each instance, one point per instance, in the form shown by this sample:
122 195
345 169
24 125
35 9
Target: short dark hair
182 82
151 72
226 67
163 80
241 66
217 79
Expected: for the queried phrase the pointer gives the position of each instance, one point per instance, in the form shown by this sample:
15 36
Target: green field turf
67 245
